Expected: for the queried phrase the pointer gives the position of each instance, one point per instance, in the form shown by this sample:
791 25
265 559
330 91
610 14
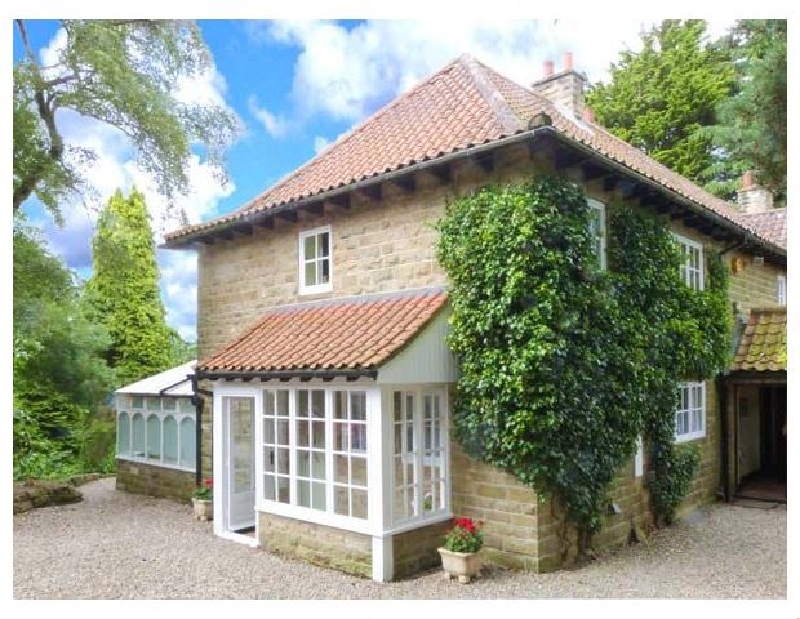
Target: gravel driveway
116 545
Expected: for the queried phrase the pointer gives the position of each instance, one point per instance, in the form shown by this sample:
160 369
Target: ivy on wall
563 365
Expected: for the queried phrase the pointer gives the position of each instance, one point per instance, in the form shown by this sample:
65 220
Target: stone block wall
157 481
315 543
415 551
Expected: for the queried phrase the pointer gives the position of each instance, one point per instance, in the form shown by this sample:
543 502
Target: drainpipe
198 426
722 399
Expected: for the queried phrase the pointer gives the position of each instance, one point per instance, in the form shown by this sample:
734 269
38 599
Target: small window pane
269 459
311 274
283 403
358 437
170 440
303 493
318 496
282 432
318 404
302 403
325 268
153 437
269 403
269 431
282 461
398 406
318 465
309 248
185 406
358 471
138 435
153 404
283 489
188 440
324 240
123 434
340 469
168 404
303 467
318 434
269 487
302 433
340 405
341 500
137 402
358 405
340 437
359 500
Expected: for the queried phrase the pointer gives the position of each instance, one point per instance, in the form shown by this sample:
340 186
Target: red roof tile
770 224
464 104
763 344
348 334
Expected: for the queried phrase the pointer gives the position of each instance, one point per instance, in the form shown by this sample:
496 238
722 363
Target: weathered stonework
342 550
157 481
416 550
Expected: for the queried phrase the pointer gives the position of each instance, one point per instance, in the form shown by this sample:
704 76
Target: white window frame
781 290
690 244
596 205
162 413
691 435
301 248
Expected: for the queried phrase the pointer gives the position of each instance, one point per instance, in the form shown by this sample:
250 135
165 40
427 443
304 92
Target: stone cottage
322 315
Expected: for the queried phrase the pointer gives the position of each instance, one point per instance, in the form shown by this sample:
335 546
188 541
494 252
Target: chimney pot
748 180
588 115
549 68
568 61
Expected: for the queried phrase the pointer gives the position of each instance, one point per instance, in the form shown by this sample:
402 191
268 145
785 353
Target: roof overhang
599 165
303 375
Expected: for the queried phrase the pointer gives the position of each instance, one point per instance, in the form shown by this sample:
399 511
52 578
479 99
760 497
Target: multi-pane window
597 230
419 438
691 269
690 416
276 445
316 450
315 260
350 453
781 290
160 431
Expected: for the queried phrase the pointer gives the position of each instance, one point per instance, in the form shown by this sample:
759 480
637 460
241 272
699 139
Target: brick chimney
752 198
564 88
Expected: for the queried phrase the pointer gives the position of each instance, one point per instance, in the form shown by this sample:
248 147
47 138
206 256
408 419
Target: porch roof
762 347
346 335
175 381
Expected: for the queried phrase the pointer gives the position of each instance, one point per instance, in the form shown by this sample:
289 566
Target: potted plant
203 501
460 553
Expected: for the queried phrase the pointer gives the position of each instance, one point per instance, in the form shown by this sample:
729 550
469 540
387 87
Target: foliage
751 125
465 536
562 365
660 99
123 292
674 468
60 377
206 491
127 74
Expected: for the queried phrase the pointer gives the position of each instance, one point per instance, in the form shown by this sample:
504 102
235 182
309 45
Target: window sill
161 465
688 438
320 289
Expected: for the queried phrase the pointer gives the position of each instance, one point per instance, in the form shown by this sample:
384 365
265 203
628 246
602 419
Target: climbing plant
562 364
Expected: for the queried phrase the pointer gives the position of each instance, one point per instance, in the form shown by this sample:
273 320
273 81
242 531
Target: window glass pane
359 503
282 401
269 459
269 403
282 461
324 242
188 440
318 404
309 247
358 437
153 437
340 469
269 431
137 402
302 433
168 404
311 274
283 488
358 405
318 465
398 439
138 435
340 500
123 434
398 406
303 493
282 432
409 407
170 440
358 471
318 496
185 405
269 487
325 271
122 402
318 434
153 404
340 405
340 437
303 467
302 403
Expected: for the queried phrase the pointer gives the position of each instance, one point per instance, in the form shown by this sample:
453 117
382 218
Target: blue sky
296 85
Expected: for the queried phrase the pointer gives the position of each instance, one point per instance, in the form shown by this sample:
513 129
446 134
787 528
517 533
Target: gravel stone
115 545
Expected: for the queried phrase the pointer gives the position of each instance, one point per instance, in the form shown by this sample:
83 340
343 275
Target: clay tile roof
763 344
349 334
463 105
770 224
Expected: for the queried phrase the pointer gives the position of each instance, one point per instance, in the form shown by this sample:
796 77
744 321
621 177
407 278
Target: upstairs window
315 261
781 290
691 262
597 230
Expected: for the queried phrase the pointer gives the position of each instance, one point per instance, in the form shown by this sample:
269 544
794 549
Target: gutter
303 375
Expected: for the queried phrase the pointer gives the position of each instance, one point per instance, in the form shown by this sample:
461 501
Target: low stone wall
44 493
416 550
157 481
315 543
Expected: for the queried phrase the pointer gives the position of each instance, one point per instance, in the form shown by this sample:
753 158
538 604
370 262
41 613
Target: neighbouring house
156 435
322 316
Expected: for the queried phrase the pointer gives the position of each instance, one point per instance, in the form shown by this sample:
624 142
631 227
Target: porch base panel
416 550
315 543
156 481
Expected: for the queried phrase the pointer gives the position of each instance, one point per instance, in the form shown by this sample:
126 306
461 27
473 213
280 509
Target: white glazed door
241 463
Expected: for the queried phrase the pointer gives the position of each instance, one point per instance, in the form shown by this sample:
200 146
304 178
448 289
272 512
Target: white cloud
346 74
115 168
276 126
320 143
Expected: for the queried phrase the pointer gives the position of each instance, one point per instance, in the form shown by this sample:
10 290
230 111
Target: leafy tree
751 127
661 98
123 292
120 72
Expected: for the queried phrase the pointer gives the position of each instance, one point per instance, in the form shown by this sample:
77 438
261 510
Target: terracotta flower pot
203 509
464 565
